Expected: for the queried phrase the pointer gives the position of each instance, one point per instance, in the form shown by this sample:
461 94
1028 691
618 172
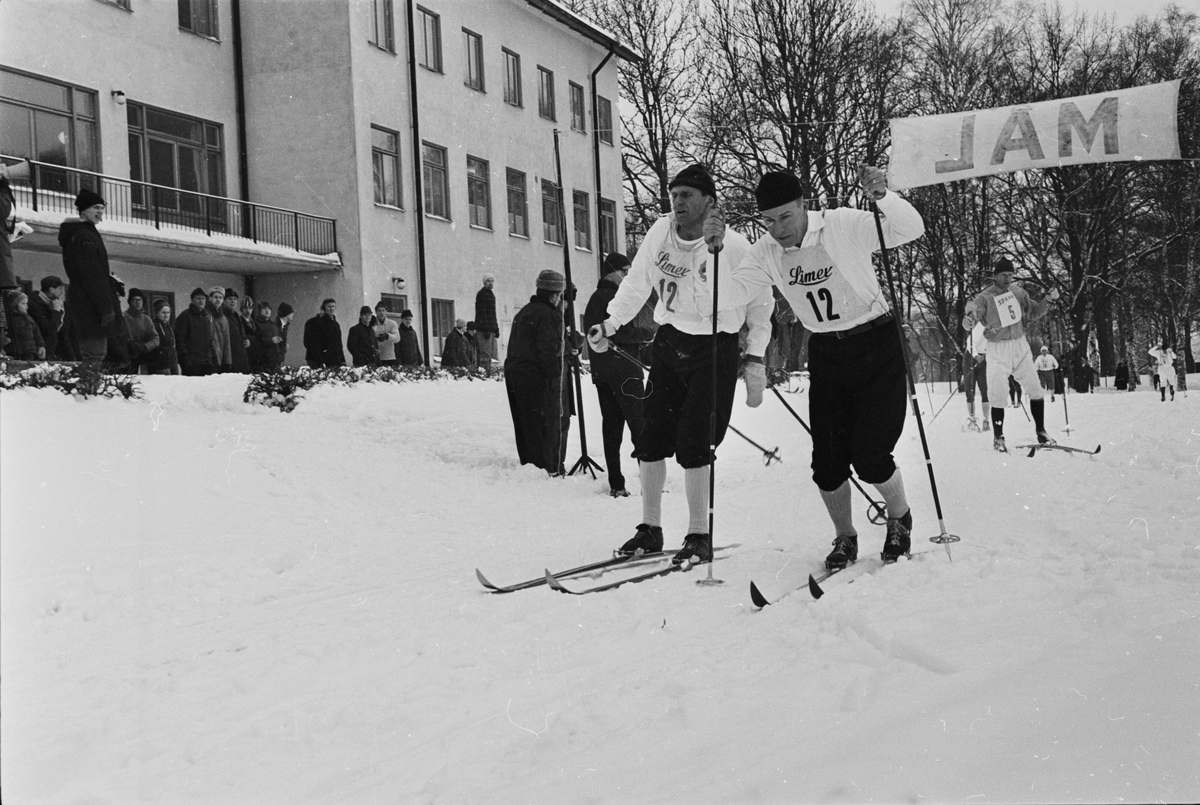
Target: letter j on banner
1135 124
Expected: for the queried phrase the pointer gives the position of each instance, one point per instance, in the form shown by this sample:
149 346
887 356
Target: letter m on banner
1135 124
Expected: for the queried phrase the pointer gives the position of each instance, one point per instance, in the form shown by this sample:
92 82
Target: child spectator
26 344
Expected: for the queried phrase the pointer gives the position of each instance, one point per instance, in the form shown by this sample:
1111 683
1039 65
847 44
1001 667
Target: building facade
321 148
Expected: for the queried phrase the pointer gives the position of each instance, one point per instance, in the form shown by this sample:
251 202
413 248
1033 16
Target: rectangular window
604 119
383 29
429 42
199 17
442 311
518 207
385 165
479 193
578 119
546 93
175 151
396 303
608 226
473 43
436 180
583 219
512 78
48 122
551 212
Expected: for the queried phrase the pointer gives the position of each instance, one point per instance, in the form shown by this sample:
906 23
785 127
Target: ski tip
1032 450
757 597
814 588
553 582
483 580
1097 450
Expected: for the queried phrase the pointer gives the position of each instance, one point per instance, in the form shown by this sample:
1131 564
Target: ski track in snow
206 601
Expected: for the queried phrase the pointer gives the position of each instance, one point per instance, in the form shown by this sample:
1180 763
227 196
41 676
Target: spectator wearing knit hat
361 342
93 305
164 360
408 351
194 337
25 338
143 338
534 373
239 341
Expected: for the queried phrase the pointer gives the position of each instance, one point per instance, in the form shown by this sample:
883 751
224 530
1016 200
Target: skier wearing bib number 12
1004 307
820 260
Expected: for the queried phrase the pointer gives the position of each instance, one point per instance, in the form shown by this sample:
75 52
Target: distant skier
1003 308
974 369
1166 369
1045 365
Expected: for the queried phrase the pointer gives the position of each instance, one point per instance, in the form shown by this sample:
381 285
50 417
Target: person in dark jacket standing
46 309
284 317
239 342
323 338
93 299
25 338
408 351
487 325
250 330
143 338
270 340
533 375
164 360
457 351
617 379
194 337
360 341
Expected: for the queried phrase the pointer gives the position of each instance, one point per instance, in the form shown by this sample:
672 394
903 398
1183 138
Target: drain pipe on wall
414 111
596 163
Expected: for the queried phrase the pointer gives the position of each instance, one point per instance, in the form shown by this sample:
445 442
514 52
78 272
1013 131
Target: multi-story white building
302 149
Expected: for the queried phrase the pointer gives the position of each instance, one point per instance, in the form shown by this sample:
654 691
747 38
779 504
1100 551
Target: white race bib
1008 308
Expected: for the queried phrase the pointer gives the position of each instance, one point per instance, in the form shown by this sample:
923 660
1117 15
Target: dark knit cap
615 261
470 325
696 176
160 303
776 189
199 292
136 292
51 282
1003 264
230 293
365 310
551 280
88 198
285 309
406 314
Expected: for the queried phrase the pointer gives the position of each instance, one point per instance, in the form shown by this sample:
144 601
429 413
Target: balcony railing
54 187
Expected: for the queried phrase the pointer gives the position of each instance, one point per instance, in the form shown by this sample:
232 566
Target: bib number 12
825 296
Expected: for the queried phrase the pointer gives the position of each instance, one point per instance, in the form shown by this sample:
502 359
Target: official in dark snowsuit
323 338
93 295
533 376
618 380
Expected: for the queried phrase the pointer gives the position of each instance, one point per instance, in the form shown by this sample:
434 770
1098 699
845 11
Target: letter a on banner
1135 124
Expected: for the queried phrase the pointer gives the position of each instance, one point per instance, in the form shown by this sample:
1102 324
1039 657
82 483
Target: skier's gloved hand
598 336
756 380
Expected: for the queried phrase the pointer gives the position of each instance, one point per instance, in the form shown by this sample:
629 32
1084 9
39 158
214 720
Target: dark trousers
538 413
676 411
620 390
857 404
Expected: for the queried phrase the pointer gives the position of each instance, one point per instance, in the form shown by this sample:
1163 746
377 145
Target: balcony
169 227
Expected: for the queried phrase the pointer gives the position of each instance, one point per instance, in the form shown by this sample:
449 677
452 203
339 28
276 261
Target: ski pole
769 455
945 537
715 250
876 509
947 402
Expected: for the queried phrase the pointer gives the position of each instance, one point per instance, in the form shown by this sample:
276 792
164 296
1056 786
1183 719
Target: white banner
1122 125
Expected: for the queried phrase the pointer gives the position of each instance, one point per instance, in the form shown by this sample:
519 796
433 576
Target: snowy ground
209 602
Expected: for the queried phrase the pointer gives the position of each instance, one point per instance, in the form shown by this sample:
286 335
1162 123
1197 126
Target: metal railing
54 187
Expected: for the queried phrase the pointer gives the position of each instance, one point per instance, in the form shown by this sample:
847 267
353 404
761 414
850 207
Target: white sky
1126 11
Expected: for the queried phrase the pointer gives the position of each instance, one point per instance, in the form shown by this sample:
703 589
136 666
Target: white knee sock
654 476
695 482
892 491
837 503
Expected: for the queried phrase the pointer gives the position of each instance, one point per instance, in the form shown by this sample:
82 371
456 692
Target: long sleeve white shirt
679 270
829 279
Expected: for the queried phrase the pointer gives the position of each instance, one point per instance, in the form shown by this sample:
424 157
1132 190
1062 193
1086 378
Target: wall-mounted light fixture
119 97
398 283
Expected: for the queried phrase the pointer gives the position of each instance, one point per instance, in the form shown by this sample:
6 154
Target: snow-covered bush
284 389
79 380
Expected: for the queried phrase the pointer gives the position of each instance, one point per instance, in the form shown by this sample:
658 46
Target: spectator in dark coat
617 379
249 329
270 341
8 228
457 350
323 338
93 299
143 337
486 323
194 337
284 320
239 360
361 342
222 347
533 376
164 360
408 351
26 339
46 309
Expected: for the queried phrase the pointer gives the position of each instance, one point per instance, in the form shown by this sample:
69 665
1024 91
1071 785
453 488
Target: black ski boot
1044 438
897 543
618 493
999 445
696 547
648 539
845 551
